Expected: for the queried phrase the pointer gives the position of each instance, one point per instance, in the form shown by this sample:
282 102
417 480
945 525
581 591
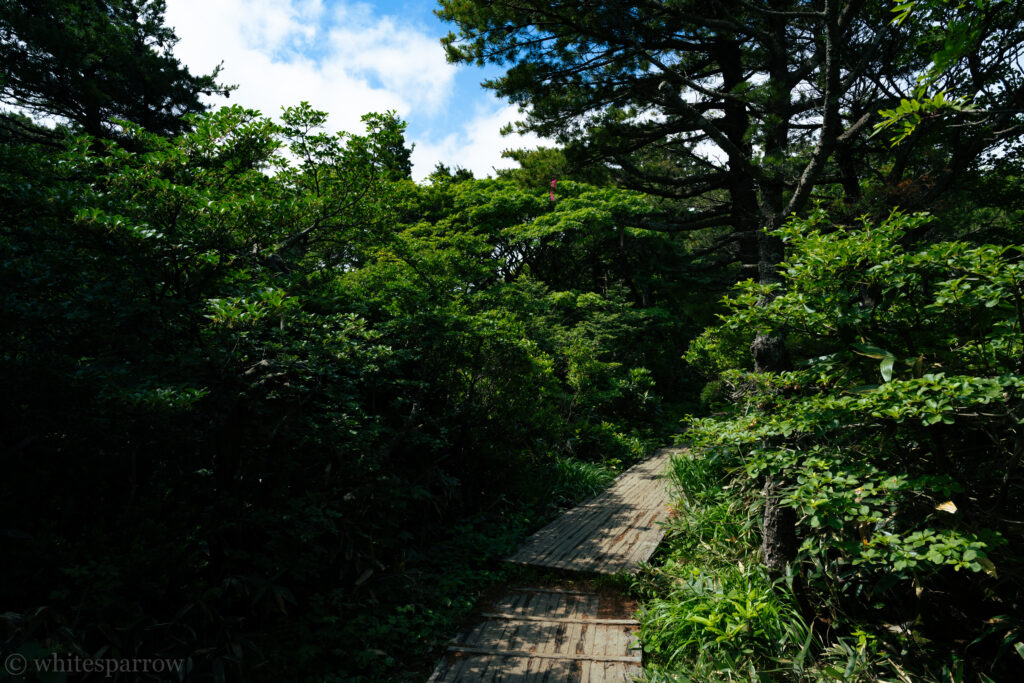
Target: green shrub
896 437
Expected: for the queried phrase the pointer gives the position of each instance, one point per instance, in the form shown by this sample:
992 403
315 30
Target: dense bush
248 396
896 437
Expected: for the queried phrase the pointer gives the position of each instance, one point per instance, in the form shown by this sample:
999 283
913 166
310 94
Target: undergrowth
712 613
577 480
397 634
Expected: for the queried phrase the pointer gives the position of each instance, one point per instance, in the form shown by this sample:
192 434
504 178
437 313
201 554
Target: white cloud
280 53
347 61
477 145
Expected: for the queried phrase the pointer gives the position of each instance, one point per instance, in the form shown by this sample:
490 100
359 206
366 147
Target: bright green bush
897 434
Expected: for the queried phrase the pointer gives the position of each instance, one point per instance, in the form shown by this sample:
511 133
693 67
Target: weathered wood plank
629 659
545 635
560 591
612 532
577 534
561 620
557 635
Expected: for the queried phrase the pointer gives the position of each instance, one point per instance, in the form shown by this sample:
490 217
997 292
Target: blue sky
349 58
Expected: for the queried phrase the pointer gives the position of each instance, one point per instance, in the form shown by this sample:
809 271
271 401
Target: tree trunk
735 124
778 531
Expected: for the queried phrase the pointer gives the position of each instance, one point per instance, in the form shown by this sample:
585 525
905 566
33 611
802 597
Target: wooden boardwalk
553 635
546 634
613 532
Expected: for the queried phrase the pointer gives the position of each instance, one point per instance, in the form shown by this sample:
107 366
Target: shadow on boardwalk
546 634
613 532
553 634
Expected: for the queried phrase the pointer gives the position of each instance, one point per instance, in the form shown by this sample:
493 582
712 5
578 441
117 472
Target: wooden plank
570 529
552 635
637 544
561 620
589 554
544 655
570 642
599 641
441 672
574 535
611 672
614 531
619 547
560 591
450 669
585 538
546 635
586 641
642 489
521 603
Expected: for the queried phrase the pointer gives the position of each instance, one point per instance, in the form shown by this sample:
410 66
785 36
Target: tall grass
711 613
576 480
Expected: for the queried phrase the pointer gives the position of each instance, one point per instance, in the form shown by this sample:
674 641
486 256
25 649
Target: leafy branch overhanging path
551 634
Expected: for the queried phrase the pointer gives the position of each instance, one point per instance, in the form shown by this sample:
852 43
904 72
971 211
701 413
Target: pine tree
88 62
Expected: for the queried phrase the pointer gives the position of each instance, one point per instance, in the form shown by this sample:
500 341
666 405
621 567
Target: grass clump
576 480
711 613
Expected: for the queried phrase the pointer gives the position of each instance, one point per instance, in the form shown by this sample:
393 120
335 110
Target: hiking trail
552 634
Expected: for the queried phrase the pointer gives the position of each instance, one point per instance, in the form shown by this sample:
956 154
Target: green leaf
886 367
870 351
